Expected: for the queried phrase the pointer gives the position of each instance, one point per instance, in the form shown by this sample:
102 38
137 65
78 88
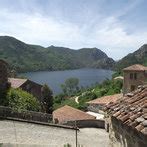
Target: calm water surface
54 79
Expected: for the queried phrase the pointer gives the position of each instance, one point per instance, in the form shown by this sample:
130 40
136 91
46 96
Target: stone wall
140 80
96 108
87 123
121 135
9 113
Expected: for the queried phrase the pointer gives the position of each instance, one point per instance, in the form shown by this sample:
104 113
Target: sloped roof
135 67
16 83
67 113
106 99
3 61
131 110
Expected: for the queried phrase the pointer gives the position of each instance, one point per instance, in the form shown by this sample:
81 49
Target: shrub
19 99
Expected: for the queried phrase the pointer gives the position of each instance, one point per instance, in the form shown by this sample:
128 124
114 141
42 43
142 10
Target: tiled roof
68 113
106 99
135 67
131 109
16 83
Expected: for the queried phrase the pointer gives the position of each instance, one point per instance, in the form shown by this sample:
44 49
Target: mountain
137 57
25 57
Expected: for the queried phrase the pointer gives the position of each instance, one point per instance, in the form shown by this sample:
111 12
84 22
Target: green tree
70 86
4 89
47 99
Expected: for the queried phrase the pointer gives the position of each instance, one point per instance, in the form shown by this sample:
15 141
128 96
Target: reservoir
54 79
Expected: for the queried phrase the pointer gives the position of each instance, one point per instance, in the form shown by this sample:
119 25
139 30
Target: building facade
98 104
134 76
27 85
126 120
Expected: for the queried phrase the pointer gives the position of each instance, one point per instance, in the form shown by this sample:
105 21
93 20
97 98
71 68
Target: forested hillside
24 57
138 57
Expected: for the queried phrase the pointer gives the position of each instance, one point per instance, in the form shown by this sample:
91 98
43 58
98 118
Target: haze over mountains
25 57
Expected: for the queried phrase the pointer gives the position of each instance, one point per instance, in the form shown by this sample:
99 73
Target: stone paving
34 135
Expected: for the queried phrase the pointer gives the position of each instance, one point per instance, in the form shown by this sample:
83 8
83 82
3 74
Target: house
27 85
67 113
134 76
98 104
126 120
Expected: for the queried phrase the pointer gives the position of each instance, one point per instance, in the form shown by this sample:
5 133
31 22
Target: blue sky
117 27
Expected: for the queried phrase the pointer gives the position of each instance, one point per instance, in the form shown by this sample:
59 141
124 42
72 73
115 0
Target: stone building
98 104
126 120
134 76
27 85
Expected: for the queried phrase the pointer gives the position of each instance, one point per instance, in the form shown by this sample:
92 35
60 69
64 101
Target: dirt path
77 99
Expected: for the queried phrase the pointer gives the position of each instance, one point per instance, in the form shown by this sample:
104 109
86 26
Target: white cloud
108 33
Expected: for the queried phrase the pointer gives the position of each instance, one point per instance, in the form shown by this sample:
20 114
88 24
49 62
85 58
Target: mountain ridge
25 57
137 57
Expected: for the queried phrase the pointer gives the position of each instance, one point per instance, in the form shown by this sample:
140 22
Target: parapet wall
87 123
6 112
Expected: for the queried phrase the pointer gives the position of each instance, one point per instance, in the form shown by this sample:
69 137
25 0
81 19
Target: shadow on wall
124 136
87 123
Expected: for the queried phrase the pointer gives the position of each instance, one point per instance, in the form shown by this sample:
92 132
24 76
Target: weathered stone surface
144 123
144 131
140 119
47 136
145 116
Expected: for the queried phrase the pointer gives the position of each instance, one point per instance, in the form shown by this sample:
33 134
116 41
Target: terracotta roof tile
68 113
132 111
16 83
106 99
135 67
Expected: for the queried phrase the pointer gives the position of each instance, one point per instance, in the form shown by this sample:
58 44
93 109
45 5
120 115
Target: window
133 76
132 87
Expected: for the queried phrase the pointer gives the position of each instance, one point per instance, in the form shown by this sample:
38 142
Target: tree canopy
70 86
47 99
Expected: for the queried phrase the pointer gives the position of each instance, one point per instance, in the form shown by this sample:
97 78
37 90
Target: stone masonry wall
141 76
121 135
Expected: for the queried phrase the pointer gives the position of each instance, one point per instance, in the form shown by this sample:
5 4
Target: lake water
54 79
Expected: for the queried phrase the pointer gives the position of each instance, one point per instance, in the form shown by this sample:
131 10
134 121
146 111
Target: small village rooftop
135 67
67 113
131 110
106 99
16 82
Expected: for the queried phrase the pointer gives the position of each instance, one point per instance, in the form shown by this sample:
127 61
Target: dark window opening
132 87
135 76
131 75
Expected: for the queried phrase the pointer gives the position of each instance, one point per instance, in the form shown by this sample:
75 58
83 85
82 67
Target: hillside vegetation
24 57
108 87
138 57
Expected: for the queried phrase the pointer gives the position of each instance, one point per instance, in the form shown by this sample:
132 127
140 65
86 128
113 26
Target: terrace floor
20 134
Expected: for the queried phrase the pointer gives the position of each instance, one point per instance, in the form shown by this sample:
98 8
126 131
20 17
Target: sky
117 27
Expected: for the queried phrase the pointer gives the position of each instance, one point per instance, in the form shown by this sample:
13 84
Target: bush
19 99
